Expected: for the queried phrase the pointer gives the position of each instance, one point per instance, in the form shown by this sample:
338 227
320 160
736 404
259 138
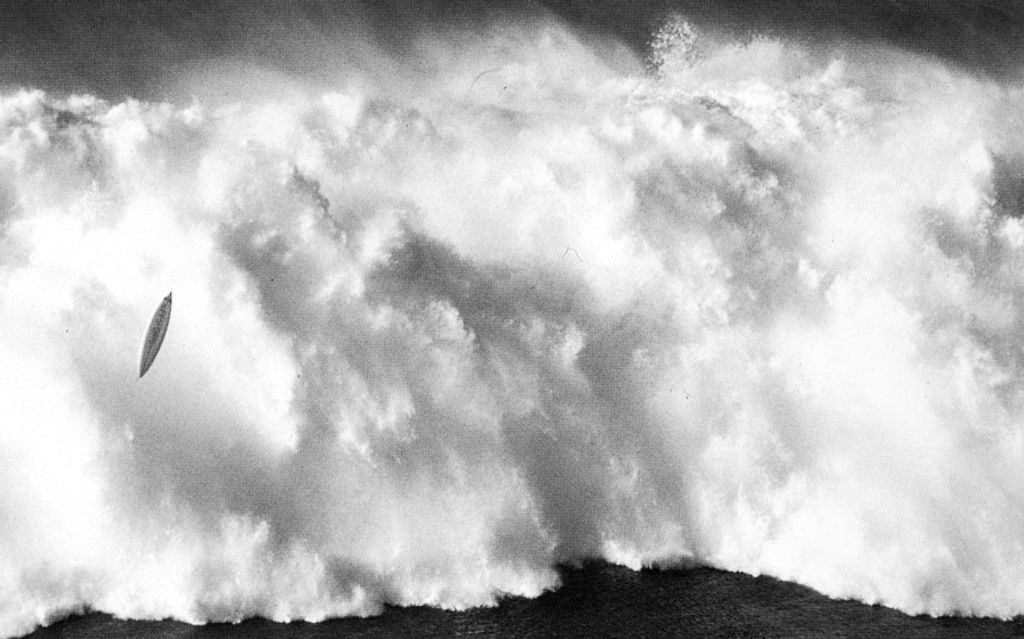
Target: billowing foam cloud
752 309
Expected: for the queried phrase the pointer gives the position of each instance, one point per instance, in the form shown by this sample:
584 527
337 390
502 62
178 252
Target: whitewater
737 302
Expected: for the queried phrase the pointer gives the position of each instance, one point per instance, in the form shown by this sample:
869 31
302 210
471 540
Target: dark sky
984 37
118 48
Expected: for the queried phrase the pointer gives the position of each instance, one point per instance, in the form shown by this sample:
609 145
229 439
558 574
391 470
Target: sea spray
747 307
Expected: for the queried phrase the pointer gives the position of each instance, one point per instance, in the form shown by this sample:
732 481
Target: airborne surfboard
155 335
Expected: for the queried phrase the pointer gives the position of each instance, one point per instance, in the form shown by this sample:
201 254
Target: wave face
739 304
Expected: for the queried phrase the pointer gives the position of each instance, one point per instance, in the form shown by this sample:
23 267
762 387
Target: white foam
747 310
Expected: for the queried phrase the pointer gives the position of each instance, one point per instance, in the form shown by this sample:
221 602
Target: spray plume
753 308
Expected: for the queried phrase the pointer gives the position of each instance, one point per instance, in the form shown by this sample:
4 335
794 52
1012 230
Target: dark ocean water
595 600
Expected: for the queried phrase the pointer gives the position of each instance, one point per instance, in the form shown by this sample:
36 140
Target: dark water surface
596 600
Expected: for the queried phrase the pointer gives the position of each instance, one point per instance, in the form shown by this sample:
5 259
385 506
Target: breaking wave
738 304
